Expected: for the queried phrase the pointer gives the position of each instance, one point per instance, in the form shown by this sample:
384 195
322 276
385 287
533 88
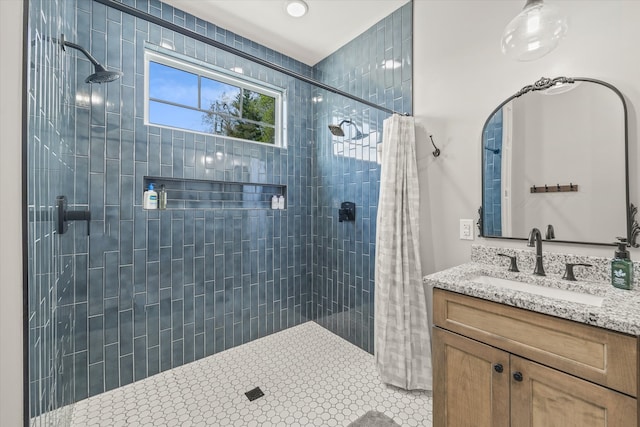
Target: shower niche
183 193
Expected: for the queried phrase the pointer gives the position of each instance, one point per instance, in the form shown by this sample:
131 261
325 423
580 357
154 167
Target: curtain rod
211 42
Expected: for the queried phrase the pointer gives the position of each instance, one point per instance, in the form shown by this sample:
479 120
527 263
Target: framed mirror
554 156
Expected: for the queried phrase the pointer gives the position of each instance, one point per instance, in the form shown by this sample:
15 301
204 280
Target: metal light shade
534 32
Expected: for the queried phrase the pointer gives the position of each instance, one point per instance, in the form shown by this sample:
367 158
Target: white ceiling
328 25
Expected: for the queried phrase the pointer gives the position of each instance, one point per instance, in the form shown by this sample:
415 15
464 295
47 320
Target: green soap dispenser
622 267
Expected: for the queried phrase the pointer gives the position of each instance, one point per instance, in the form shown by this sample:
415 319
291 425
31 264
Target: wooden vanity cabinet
471 382
488 373
547 397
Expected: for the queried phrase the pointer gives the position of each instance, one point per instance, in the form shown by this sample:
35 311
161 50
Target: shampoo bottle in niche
150 199
274 202
622 267
162 198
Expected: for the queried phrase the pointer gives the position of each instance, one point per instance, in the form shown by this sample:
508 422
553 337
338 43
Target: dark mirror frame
633 229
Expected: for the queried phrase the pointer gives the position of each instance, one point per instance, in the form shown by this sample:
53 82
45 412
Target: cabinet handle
498 368
517 376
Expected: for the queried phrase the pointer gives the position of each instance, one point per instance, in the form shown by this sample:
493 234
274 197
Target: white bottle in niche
274 202
150 199
280 202
162 198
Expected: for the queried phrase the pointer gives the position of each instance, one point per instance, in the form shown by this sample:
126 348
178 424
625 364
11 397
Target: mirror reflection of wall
543 138
492 203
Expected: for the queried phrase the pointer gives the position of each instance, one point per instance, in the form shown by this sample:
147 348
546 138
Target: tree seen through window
211 102
250 115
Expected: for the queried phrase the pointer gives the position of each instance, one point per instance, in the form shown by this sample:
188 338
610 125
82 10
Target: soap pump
150 198
622 267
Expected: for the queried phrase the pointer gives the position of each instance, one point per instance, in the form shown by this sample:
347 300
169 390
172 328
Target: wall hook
558 188
436 152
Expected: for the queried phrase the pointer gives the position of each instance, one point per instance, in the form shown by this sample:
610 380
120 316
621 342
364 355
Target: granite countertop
620 310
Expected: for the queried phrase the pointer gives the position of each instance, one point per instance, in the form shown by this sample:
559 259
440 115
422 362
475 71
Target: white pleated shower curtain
402 338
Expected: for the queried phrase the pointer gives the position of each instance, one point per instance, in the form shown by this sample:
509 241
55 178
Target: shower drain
254 394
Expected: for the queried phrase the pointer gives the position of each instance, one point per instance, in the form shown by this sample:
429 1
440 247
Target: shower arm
347 121
132 11
86 53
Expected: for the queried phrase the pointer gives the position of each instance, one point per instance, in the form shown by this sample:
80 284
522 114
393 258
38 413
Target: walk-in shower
150 291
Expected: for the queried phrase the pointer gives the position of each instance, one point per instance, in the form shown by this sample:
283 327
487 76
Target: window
183 95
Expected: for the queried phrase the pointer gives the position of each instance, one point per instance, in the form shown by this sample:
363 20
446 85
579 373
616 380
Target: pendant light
534 32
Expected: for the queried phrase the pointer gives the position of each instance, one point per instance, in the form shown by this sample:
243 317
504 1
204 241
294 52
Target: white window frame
183 63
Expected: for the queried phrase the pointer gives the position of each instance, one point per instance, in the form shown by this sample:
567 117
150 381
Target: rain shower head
337 130
101 74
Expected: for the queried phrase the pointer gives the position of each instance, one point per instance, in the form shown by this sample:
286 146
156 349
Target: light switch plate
466 229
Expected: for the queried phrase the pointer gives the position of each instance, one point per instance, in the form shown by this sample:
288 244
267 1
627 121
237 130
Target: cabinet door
545 397
471 382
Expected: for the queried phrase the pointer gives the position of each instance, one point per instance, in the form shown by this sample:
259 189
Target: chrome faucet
535 239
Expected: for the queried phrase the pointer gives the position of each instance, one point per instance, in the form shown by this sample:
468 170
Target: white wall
579 129
460 75
10 214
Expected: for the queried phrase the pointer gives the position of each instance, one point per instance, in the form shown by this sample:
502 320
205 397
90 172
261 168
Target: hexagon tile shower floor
309 377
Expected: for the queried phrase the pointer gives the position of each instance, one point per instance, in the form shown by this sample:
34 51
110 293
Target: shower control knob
63 216
498 368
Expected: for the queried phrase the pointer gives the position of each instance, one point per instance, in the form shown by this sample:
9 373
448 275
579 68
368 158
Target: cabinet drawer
605 357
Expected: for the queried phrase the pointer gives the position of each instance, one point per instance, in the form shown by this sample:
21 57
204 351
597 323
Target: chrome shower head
101 74
358 136
337 130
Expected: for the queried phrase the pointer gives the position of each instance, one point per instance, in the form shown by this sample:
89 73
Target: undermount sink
545 291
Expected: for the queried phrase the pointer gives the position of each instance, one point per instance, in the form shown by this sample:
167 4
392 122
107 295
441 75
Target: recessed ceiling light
296 8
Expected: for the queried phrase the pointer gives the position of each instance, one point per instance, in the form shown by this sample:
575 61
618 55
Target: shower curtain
402 338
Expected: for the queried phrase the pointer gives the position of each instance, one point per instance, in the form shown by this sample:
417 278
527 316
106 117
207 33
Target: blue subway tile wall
492 203
50 172
375 66
164 288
